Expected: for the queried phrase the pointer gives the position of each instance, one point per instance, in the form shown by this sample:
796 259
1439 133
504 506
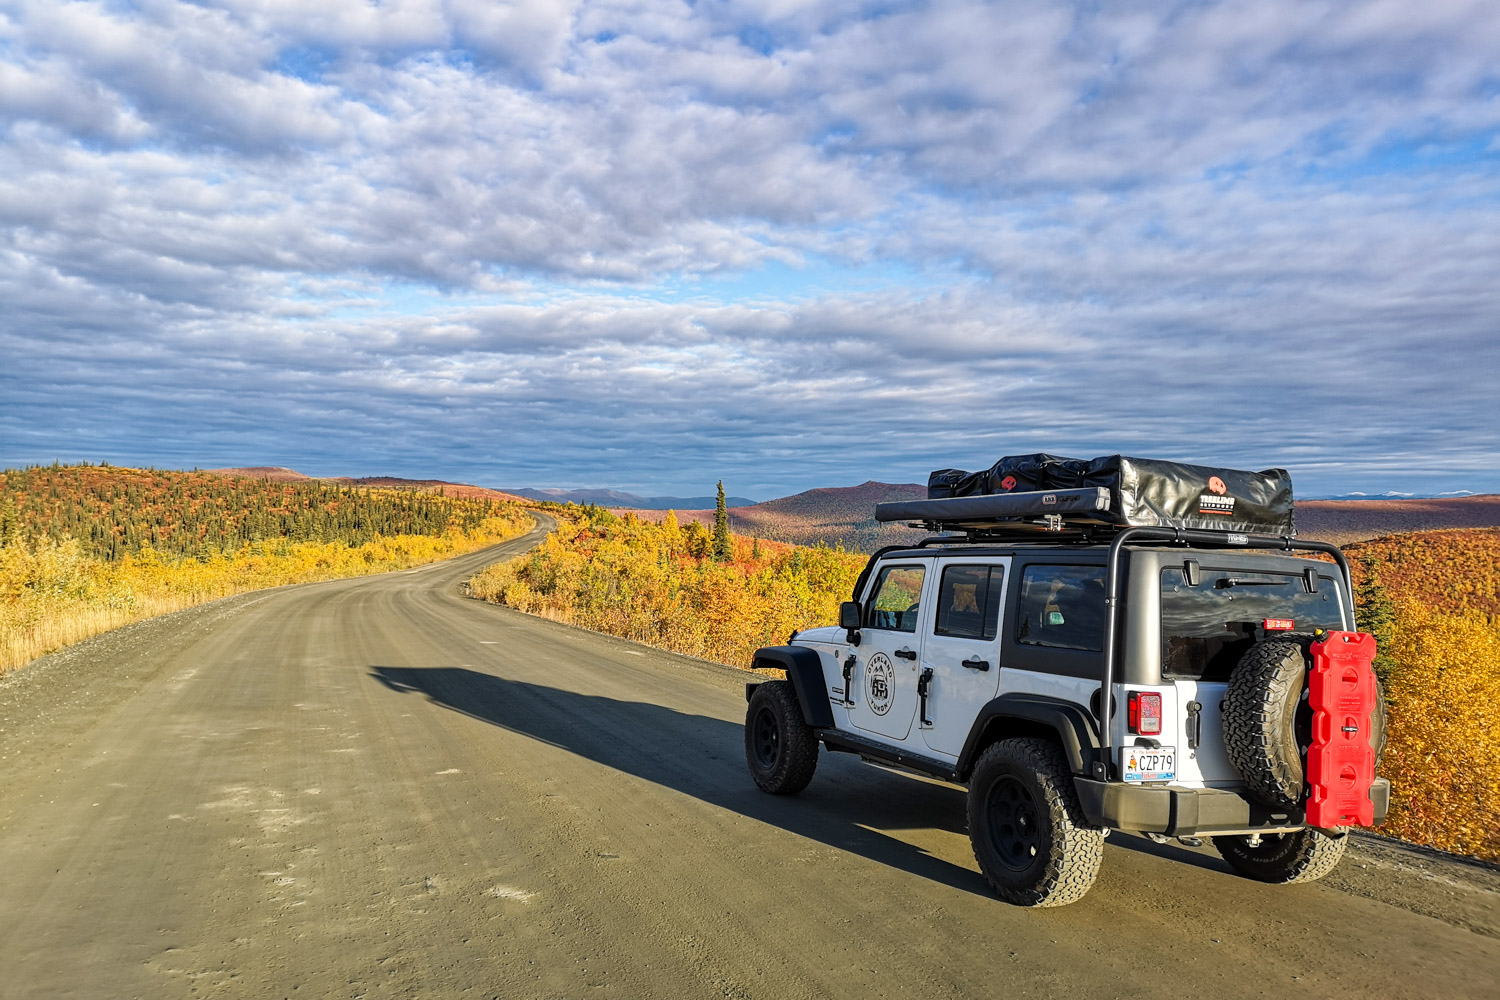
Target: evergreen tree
722 547
1377 616
10 521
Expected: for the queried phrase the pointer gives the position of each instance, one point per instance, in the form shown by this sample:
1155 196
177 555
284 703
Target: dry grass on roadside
52 594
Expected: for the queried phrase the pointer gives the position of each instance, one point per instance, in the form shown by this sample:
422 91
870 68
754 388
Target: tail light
1278 624
1143 713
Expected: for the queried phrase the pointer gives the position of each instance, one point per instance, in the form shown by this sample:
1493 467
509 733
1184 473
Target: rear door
962 647
890 648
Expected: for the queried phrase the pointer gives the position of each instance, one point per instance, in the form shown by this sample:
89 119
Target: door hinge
924 683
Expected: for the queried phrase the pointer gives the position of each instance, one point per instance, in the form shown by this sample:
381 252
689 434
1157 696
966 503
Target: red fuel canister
1341 761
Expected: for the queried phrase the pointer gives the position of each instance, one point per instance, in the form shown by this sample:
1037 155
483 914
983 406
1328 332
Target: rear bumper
1185 812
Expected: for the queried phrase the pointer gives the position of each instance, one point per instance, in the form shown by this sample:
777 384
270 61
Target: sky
650 245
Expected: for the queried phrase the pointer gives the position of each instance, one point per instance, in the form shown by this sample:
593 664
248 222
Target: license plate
1148 763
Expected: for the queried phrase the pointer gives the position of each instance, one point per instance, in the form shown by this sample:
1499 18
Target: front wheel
780 746
1027 828
1282 858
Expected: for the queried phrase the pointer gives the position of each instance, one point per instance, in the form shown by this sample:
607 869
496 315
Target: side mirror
849 614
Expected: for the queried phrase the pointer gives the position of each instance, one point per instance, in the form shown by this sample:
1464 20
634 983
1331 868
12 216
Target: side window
896 595
969 601
1062 606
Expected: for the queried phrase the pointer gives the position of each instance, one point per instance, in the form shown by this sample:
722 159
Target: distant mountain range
1356 519
1393 495
617 498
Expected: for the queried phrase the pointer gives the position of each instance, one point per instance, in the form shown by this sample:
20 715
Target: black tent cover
1143 491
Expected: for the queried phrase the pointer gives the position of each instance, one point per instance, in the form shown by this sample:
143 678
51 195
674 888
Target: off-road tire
779 744
1027 828
1267 721
1282 858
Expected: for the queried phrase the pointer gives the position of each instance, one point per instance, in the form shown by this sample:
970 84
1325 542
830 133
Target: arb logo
1008 483
1216 485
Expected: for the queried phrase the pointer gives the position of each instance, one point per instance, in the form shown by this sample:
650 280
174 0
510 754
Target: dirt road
376 787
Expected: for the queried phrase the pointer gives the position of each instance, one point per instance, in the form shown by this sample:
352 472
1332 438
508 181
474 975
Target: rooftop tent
1111 489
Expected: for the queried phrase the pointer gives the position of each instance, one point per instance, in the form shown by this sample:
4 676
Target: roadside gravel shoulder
50 700
1461 891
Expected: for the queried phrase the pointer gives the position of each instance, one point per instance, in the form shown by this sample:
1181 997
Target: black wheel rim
766 738
1014 831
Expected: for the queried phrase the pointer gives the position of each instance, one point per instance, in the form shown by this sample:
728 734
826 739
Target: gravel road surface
379 788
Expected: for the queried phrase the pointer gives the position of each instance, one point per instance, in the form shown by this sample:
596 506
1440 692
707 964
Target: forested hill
113 511
1452 571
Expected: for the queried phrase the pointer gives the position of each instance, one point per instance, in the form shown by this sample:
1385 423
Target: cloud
493 240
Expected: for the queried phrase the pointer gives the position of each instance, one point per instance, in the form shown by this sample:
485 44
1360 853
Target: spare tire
1268 721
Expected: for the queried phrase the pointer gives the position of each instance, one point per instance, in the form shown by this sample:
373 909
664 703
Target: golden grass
52 595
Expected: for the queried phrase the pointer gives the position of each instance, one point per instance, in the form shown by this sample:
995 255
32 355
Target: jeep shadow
704 757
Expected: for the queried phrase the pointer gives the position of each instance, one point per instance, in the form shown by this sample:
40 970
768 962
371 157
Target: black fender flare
1076 728
804 669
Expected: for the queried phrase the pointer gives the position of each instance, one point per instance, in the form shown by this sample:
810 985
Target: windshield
1206 629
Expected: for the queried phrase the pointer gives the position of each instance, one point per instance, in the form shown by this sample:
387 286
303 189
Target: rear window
969 601
1062 606
1206 629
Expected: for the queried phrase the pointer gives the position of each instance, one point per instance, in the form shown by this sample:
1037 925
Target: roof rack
1080 513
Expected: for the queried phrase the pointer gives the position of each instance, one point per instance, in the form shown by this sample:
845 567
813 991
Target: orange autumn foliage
1456 570
657 584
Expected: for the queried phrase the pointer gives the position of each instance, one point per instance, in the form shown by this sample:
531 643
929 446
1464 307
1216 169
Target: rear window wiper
1224 583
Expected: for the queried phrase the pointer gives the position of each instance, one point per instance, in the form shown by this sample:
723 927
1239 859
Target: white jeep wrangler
982 656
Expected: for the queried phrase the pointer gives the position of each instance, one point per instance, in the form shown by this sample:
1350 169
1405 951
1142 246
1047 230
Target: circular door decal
880 684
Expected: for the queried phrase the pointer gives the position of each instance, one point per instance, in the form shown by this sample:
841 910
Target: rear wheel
1027 828
779 745
1281 858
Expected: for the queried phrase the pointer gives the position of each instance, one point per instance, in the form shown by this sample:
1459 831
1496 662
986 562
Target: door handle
977 664
907 654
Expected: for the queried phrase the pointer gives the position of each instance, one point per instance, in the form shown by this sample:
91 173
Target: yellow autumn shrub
657 584
1443 746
